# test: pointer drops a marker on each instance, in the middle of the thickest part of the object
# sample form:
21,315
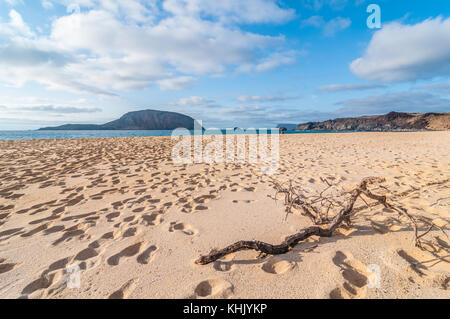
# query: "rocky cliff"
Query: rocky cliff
393,121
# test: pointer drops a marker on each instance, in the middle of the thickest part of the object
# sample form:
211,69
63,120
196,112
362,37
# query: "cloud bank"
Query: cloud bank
349,87
103,47
401,52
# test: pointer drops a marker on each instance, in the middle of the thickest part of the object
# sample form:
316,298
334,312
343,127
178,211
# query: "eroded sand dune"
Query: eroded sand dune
135,222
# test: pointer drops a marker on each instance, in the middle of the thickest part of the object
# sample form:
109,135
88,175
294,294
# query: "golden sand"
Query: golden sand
135,222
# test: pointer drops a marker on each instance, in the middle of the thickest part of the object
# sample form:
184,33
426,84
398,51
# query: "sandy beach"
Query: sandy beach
135,222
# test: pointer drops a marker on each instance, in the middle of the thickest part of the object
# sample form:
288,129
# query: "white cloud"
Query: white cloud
245,111
319,4
349,87
329,28
111,46
189,101
14,2
55,109
337,4
443,88
15,26
335,25
176,84
249,11
399,102
272,61
401,52
262,99
194,101
313,21
47,4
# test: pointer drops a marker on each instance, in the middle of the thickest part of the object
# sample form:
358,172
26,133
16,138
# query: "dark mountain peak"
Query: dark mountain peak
138,120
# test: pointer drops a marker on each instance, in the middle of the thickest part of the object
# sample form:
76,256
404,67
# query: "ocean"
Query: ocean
47,135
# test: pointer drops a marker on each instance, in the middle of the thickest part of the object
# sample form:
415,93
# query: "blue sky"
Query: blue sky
254,63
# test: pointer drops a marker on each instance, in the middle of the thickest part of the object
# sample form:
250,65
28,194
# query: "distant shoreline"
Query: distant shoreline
88,134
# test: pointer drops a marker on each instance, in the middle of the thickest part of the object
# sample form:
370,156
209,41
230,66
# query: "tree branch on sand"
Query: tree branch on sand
324,224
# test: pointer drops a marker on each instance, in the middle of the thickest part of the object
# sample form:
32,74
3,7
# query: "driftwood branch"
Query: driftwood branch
295,199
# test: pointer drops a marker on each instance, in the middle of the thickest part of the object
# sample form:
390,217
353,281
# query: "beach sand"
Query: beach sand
134,222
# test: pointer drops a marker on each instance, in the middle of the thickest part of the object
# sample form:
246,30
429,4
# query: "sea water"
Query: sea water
34,135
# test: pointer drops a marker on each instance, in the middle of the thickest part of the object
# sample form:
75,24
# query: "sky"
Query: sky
253,63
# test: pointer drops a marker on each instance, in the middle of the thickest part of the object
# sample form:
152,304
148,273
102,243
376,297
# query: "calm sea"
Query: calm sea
34,135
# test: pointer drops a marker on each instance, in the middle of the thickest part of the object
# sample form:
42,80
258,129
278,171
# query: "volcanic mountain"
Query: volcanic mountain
139,120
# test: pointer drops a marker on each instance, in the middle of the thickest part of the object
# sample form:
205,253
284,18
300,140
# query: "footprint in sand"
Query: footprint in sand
355,274
111,217
117,205
140,191
59,210
86,254
78,217
214,288
111,235
46,219
187,208
245,201
90,257
147,255
130,232
128,219
59,264
3,218
152,220
43,283
75,201
124,291
225,264
6,267
201,207
130,251
4,207
4,235
37,230
277,266
184,228
78,230
204,199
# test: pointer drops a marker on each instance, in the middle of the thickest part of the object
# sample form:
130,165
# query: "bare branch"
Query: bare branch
293,198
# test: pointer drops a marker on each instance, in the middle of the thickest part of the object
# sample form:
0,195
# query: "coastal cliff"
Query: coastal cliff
393,121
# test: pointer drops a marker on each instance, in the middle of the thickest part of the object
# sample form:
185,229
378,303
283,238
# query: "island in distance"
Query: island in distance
139,120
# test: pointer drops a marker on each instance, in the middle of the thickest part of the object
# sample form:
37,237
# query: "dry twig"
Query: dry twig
295,199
